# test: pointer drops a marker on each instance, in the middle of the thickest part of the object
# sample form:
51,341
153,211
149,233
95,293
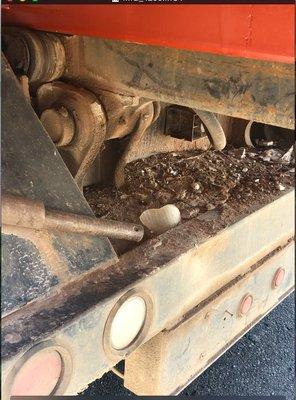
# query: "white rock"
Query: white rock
159,220
195,186
281,187
286,158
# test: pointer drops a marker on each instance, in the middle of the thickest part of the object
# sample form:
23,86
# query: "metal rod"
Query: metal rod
92,226
32,214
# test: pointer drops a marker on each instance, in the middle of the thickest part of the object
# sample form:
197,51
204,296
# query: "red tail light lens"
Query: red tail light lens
39,375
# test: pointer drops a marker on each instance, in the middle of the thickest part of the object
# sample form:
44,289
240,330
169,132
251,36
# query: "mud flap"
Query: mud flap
34,263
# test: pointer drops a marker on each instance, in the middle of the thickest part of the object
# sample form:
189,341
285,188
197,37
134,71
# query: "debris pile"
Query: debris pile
202,184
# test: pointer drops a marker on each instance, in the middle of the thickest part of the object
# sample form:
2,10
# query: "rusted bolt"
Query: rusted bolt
59,125
245,304
278,277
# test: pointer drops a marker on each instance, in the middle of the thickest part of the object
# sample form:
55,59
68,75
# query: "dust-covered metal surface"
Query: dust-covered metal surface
68,284
172,359
40,57
255,90
32,262
261,91
89,121
177,270
81,121
19,283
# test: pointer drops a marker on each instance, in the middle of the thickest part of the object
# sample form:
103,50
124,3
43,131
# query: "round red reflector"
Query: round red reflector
246,304
39,375
278,277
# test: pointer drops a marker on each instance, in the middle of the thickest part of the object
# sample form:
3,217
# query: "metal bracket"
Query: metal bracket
32,168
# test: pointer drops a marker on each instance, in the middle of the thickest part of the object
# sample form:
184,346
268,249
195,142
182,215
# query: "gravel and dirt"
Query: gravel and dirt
202,184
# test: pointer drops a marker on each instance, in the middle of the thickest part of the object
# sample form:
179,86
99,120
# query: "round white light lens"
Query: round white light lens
127,322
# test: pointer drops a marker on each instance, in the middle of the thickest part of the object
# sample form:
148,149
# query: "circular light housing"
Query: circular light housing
45,369
127,322
39,375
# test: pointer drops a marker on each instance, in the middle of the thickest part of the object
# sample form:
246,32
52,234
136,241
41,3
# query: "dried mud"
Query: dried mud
207,185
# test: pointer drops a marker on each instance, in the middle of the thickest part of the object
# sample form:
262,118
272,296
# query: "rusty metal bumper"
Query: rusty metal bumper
185,275
175,357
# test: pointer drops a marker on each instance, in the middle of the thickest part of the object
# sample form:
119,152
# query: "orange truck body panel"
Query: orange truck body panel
264,32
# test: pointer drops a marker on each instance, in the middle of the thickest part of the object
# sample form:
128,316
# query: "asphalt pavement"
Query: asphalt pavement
261,363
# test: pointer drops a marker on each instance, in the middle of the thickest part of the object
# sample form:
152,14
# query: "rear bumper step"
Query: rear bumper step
174,274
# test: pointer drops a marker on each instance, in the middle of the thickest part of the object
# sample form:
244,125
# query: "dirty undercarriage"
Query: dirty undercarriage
234,239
